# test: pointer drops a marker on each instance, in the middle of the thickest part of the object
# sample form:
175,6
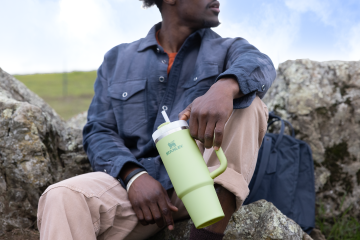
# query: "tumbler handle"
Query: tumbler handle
223,164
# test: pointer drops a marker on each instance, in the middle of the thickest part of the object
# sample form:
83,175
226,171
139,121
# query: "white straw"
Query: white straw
165,116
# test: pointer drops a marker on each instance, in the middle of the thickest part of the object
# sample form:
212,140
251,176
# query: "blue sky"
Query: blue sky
66,35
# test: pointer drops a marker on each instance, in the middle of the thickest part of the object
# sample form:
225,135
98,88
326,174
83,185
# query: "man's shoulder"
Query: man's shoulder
121,49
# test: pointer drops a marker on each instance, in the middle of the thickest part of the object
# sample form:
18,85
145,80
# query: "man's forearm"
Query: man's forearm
230,85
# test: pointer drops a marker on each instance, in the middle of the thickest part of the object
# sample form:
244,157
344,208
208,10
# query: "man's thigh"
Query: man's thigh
102,199
243,135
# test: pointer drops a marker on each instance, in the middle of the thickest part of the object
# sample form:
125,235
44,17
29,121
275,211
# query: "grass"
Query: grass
343,227
67,99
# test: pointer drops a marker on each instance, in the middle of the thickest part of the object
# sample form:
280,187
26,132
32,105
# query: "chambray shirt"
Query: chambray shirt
132,88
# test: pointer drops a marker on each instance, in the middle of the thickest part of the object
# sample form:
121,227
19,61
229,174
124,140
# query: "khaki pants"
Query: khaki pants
95,206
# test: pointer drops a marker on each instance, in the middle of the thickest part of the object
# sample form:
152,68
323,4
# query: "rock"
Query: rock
322,101
316,234
78,121
260,220
21,234
37,149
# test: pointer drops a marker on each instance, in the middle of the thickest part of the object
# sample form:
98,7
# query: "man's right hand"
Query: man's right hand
151,202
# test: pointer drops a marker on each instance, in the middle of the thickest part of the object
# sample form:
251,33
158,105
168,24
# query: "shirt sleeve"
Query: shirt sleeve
253,70
104,147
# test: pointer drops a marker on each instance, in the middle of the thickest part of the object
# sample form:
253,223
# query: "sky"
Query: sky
43,36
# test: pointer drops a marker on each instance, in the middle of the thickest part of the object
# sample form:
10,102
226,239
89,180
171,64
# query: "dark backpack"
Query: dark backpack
284,175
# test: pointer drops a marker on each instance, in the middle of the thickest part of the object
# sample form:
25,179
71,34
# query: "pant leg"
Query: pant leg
88,206
243,135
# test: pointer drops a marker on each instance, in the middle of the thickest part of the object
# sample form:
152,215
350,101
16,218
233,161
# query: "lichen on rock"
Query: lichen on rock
37,149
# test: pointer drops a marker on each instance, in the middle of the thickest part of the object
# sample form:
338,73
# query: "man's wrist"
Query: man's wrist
230,86
127,169
132,174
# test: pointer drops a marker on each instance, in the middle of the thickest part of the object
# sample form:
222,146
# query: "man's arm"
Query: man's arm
108,153
105,149
249,73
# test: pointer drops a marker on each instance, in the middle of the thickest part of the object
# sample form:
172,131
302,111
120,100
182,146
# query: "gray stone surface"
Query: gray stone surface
37,149
322,101
260,220
78,121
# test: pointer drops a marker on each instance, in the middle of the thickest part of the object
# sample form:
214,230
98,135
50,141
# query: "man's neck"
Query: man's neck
172,36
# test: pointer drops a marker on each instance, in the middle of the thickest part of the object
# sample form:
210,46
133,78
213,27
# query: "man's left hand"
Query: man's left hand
209,113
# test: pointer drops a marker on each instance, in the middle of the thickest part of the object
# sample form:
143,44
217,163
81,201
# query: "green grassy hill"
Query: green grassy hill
67,99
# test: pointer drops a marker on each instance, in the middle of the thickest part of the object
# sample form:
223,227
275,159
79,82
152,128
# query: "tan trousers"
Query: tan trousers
95,206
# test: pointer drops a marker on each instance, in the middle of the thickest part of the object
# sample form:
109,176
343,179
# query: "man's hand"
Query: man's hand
209,113
151,202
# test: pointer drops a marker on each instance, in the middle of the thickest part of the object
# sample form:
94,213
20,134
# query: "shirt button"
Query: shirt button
165,108
263,87
157,49
164,61
161,79
124,94
104,170
195,79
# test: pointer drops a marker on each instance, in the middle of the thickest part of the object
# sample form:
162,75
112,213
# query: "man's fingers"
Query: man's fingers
193,126
157,216
140,216
201,127
166,213
185,115
209,134
219,133
147,214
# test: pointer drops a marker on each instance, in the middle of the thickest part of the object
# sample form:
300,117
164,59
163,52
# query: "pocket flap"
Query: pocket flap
124,90
206,70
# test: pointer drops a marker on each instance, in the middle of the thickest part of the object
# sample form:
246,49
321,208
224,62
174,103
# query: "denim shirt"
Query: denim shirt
132,88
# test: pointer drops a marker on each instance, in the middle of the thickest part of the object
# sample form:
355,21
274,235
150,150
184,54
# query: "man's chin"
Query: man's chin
211,24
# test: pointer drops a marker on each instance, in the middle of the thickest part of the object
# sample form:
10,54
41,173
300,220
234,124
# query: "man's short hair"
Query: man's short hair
149,3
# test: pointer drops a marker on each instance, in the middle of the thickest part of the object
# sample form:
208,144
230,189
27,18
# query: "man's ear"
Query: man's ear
170,2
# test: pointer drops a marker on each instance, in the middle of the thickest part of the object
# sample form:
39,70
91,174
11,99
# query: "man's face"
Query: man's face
199,13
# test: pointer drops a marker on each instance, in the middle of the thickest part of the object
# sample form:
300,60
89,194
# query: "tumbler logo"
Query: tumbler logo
173,147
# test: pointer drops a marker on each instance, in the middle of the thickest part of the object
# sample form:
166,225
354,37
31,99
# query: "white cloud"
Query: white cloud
273,33
323,8
354,42
58,35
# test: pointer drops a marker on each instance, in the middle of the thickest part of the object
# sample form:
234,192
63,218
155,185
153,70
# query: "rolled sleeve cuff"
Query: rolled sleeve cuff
246,83
233,182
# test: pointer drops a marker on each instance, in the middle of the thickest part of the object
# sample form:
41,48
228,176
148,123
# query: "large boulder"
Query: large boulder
260,220
322,101
37,149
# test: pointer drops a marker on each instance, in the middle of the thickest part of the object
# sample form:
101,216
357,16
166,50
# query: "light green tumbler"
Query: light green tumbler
192,181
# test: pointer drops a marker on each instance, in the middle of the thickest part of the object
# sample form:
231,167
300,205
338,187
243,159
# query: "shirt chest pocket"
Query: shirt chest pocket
204,76
128,100
200,82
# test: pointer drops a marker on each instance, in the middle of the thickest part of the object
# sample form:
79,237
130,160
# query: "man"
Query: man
193,74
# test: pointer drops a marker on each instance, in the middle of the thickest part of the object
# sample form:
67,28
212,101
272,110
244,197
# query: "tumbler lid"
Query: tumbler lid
165,129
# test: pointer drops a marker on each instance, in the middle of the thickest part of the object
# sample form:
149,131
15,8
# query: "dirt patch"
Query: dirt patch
21,234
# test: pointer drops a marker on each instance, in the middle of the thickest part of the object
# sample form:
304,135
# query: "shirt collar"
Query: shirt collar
150,39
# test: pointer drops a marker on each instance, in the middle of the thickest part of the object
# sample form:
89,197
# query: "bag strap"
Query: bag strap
263,164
